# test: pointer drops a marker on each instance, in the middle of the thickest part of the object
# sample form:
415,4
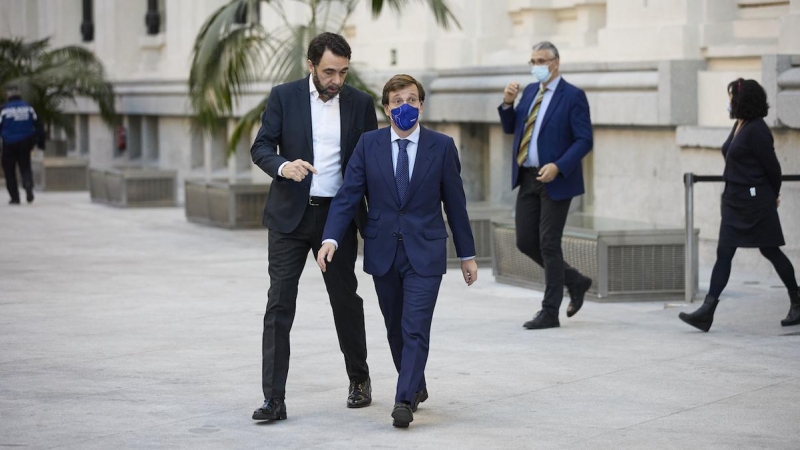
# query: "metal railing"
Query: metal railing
689,179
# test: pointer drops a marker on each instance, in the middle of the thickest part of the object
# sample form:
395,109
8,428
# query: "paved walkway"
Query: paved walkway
128,328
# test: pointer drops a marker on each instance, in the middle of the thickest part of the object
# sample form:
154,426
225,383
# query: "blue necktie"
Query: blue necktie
401,172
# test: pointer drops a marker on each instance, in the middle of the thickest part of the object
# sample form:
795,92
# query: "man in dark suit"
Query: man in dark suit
407,172
552,134
307,135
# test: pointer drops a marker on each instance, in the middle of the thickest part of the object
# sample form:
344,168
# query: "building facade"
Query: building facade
655,73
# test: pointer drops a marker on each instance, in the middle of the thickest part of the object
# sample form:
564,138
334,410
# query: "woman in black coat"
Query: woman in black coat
749,202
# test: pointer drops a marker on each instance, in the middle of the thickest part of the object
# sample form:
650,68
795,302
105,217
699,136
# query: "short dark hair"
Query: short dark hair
327,41
398,82
748,99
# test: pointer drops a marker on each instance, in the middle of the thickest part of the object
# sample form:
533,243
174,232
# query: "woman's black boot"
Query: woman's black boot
702,318
793,318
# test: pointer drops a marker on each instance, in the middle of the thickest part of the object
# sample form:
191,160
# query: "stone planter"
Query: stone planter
227,205
626,260
60,174
133,187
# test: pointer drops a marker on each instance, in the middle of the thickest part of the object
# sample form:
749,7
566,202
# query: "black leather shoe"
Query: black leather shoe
402,415
29,195
793,318
576,295
419,397
360,394
13,202
542,320
272,409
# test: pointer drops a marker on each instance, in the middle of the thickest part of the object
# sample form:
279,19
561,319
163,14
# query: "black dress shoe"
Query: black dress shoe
360,394
272,409
576,295
29,195
402,415
419,397
542,320
13,202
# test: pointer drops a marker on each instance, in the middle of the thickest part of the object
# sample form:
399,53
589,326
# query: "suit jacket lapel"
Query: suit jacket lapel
554,102
384,158
345,113
422,163
304,103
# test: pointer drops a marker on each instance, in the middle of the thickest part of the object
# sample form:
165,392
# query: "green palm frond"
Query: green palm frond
49,78
231,54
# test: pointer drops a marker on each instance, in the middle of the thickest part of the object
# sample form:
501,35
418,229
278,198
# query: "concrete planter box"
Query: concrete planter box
227,205
133,187
60,174
481,216
626,260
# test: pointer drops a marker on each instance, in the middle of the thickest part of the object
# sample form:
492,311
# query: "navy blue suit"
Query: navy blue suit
565,137
405,245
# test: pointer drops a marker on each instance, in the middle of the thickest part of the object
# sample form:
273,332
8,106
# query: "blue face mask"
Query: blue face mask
729,107
405,116
542,73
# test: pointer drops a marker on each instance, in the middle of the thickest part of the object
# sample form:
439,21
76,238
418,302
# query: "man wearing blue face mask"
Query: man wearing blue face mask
552,133
407,173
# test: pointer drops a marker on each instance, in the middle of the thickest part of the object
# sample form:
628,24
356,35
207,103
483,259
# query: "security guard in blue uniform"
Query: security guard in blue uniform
20,130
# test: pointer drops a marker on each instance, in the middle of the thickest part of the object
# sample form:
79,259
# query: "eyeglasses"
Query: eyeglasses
398,102
540,62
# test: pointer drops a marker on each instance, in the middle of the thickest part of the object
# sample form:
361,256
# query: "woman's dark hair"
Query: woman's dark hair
748,99
330,41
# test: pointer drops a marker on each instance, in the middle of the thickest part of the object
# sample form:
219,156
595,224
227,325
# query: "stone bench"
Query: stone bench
60,174
627,260
223,204
133,186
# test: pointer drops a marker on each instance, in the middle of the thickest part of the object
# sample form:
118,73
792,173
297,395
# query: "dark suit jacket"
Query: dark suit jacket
750,158
565,136
435,180
285,135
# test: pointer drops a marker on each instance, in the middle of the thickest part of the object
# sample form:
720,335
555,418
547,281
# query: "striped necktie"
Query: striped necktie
522,155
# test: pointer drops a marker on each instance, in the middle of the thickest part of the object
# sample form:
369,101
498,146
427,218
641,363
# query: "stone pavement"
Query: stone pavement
132,328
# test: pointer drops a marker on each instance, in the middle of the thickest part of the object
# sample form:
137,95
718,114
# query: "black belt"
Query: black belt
319,201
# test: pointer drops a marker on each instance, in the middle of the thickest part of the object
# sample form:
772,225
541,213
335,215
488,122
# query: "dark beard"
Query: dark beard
322,91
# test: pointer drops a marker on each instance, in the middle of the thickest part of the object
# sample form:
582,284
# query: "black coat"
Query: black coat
285,135
752,184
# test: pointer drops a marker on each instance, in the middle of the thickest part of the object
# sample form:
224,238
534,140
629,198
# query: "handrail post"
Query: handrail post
689,269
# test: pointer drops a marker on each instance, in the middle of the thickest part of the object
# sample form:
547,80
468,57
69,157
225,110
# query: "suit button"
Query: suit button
394,234
401,213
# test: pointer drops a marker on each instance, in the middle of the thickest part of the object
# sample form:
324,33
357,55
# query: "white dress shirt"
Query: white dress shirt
533,148
411,149
326,135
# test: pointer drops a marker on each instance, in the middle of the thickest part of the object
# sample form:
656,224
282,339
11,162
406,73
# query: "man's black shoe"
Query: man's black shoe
272,409
419,397
542,320
29,195
576,295
13,202
360,394
402,415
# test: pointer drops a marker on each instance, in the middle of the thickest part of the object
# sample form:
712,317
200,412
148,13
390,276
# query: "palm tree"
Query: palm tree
48,78
233,50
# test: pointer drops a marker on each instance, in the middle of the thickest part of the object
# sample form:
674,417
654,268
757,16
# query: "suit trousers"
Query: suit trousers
288,255
18,154
540,225
407,300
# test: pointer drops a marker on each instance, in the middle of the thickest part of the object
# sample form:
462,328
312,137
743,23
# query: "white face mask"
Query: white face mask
728,107
542,73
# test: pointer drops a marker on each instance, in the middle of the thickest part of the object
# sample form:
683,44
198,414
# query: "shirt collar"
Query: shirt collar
413,137
313,90
551,86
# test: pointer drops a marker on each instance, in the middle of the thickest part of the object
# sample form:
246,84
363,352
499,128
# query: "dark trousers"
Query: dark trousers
722,268
540,225
407,300
18,154
288,254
